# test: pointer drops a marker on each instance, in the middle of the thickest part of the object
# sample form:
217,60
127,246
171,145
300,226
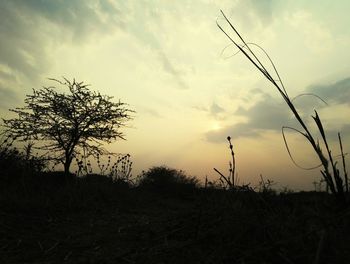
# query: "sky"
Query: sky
170,62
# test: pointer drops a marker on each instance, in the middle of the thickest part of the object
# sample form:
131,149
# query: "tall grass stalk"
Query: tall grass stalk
229,181
329,166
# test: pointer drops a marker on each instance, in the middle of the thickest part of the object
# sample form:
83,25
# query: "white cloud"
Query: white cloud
316,35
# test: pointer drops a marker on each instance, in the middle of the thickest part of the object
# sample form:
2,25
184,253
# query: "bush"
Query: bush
11,161
167,180
15,164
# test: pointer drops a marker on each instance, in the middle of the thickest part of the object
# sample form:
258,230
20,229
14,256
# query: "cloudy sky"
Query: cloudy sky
169,61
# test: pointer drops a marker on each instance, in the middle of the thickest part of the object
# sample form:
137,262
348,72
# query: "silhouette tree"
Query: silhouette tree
68,124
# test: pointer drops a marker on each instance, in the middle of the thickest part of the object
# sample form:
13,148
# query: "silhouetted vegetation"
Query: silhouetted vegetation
166,218
161,216
167,181
68,124
15,164
230,181
337,183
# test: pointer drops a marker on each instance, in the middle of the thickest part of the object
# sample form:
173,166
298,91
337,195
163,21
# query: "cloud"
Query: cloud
345,131
151,34
7,97
263,9
253,12
335,116
169,67
216,109
236,131
338,92
7,80
82,18
20,50
31,25
30,29
268,114
317,36
151,112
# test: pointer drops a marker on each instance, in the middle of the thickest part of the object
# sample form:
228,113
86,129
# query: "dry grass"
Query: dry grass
337,183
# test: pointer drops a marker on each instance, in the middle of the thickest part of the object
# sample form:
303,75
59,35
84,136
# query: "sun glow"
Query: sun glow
215,126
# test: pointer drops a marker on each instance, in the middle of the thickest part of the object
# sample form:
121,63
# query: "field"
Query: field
92,220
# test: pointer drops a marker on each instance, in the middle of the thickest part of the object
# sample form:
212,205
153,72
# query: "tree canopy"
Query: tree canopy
67,124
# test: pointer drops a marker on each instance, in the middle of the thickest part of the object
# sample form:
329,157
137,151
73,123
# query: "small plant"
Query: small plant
121,169
229,181
265,186
337,185
118,171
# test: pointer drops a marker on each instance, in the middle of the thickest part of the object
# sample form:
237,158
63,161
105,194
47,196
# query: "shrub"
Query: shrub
11,160
15,164
163,179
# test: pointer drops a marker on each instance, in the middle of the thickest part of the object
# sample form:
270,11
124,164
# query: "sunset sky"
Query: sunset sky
168,60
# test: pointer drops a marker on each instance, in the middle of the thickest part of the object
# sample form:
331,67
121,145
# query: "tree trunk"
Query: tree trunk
67,166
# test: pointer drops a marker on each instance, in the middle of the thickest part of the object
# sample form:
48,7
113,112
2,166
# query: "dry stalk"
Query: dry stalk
329,166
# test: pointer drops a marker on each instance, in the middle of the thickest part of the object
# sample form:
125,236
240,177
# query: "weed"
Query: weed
265,186
229,181
119,171
329,170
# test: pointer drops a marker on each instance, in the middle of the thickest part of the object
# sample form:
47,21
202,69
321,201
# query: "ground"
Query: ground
99,222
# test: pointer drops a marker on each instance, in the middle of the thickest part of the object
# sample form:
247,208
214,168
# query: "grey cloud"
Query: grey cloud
271,114
200,108
345,131
152,112
216,109
321,96
264,8
25,35
148,34
6,76
8,97
169,68
29,27
19,47
252,11
81,17
338,92
306,103
267,114
332,135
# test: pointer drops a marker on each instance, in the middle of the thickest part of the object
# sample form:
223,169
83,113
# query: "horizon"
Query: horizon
172,65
